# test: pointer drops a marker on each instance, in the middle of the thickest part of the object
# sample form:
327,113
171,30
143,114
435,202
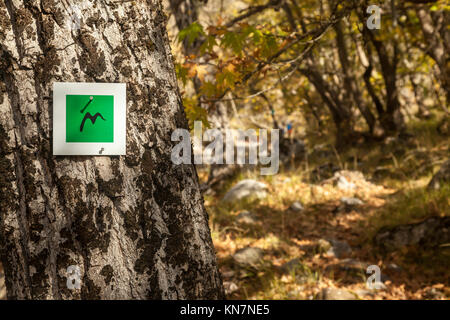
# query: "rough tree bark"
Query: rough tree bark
135,225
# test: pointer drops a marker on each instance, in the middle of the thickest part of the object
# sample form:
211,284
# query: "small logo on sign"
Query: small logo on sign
74,277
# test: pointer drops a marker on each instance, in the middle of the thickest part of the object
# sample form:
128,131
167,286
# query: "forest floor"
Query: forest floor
296,261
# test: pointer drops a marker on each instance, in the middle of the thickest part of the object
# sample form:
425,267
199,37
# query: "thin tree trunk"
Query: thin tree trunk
392,119
388,56
349,78
135,225
340,112
437,46
341,115
185,13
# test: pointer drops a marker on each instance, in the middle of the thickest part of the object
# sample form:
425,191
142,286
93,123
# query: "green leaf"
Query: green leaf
181,73
208,89
194,112
192,32
208,44
269,46
233,41
257,36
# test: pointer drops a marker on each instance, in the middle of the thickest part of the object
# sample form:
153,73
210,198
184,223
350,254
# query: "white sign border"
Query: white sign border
61,147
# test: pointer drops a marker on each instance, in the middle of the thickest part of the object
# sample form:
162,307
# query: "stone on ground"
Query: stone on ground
248,256
296,207
230,287
431,232
246,217
246,189
434,294
349,265
441,178
339,249
365,292
351,201
323,246
348,180
336,294
291,266
344,184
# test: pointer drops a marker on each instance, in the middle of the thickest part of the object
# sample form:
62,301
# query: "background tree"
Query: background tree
323,53
135,225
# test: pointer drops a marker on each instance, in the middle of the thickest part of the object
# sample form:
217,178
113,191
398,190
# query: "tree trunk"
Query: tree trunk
349,77
392,119
340,113
185,13
437,46
388,53
134,225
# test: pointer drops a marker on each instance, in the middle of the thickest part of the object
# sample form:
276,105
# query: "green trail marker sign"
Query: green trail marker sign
89,118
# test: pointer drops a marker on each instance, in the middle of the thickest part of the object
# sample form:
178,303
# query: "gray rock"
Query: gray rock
230,287
296,207
336,294
364,292
351,202
245,189
394,267
339,249
380,285
248,256
349,265
434,294
441,178
323,246
431,232
344,184
297,293
227,274
304,279
218,174
291,266
351,176
391,140
246,217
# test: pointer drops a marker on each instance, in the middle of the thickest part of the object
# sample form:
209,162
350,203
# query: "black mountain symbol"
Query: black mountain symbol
92,118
